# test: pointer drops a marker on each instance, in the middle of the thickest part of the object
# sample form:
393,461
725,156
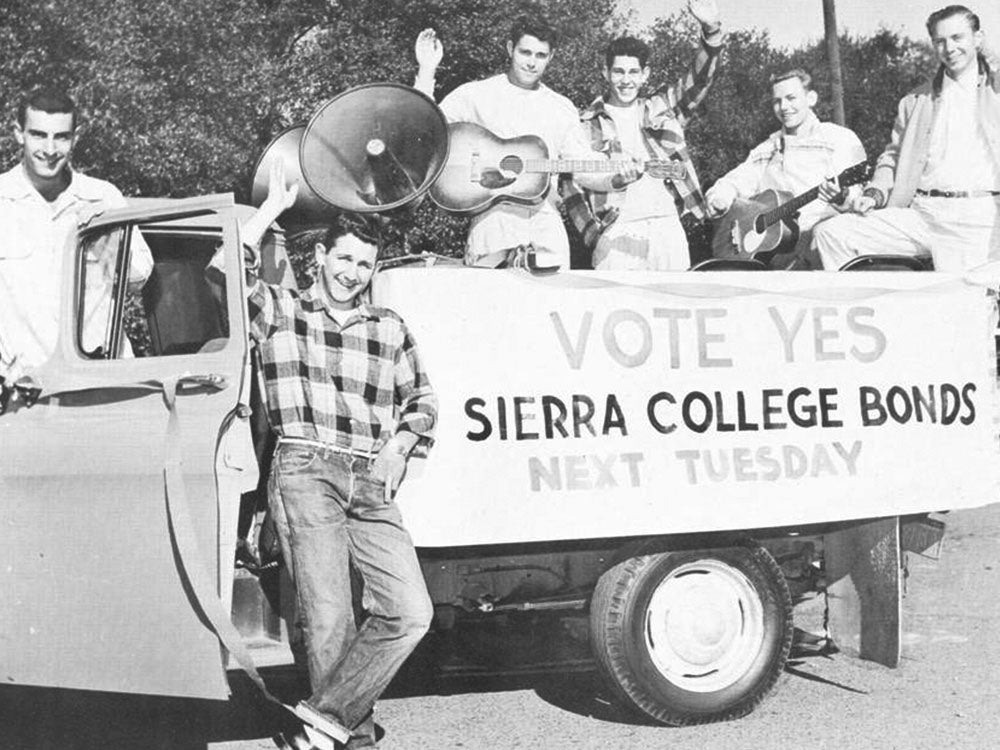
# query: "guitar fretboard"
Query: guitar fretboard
785,210
559,166
573,165
850,176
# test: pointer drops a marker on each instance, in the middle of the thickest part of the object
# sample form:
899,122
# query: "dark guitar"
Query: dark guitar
765,224
483,169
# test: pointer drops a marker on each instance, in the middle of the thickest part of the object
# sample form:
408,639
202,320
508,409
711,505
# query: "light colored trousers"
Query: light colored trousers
958,233
655,244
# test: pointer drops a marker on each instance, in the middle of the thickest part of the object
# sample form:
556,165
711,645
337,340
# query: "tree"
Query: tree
179,97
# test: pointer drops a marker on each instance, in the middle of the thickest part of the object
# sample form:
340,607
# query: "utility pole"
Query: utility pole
833,57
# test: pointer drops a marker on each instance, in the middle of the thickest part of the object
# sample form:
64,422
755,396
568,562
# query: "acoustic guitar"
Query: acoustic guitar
764,225
483,169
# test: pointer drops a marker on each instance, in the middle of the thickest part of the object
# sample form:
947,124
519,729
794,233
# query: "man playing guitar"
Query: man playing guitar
639,228
800,156
511,104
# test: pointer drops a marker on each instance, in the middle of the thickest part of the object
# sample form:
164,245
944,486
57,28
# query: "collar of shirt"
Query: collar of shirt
966,82
515,90
656,112
15,185
806,129
984,75
315,299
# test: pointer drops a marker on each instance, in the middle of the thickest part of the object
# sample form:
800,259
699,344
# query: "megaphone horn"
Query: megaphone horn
374,148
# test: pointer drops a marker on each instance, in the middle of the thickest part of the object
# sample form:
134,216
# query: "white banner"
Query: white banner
586,404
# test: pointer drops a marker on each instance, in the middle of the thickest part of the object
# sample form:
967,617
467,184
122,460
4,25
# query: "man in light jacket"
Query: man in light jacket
936,187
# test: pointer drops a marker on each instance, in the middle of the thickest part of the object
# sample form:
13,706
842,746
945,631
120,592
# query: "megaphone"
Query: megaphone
374,148
309,209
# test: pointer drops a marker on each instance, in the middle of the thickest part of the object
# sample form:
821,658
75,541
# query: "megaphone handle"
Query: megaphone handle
390,181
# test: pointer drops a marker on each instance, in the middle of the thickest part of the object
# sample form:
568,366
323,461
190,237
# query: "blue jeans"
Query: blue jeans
331,515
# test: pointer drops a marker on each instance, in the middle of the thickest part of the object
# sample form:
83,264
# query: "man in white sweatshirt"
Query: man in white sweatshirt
512,104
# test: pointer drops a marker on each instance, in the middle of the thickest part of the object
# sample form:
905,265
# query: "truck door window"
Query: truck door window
147,291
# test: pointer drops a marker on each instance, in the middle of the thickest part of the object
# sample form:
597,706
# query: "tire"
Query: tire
692,637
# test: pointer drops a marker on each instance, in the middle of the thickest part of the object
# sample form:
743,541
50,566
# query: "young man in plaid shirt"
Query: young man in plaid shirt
638,227
350,401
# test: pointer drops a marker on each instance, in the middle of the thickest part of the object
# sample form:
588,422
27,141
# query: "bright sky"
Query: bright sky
793,22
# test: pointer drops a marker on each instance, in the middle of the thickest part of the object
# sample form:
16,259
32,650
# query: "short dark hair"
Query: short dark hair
627,46
46,99
787,75
947,12
532,25
358,225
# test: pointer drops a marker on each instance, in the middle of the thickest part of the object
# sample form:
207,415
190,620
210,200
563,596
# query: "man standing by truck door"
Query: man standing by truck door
350,402
43,202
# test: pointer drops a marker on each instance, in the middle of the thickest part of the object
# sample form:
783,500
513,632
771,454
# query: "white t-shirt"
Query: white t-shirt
510,111
647,197
959,156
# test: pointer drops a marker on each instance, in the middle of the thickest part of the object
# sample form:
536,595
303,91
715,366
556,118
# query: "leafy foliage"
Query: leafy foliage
179,97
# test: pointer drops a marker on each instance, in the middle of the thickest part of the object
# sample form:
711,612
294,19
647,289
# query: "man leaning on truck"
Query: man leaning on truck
349,400
43,202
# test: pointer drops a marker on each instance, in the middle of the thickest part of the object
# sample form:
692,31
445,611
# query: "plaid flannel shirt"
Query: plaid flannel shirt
664,116
352,386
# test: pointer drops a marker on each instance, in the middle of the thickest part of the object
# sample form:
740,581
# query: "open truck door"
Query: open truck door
119,487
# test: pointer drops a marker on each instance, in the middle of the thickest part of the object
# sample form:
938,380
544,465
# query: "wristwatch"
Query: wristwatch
876,194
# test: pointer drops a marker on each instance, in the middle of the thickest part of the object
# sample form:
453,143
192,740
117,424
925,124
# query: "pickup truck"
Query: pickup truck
678,456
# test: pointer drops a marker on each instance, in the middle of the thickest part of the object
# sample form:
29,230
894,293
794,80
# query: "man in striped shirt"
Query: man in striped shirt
638,226
350,401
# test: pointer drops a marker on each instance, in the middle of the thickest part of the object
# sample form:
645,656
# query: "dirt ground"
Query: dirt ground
541,692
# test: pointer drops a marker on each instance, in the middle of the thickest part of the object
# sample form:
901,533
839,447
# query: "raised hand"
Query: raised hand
279,194
279,197
428,49
706,11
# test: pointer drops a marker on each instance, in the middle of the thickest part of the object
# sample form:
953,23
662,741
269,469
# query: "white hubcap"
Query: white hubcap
704,626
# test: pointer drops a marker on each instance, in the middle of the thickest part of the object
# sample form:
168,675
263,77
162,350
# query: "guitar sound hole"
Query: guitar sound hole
758,224
511,164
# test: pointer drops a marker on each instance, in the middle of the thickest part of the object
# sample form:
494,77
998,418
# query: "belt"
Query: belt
958,193
356,453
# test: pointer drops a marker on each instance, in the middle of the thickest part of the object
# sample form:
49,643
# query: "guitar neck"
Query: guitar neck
559,166
785,210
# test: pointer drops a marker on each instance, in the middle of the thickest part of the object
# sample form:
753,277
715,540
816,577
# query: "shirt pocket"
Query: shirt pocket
15,243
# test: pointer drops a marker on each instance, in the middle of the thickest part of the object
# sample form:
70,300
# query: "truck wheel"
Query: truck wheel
692,637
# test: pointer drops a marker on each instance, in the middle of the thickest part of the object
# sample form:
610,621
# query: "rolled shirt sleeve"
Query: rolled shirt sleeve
413,393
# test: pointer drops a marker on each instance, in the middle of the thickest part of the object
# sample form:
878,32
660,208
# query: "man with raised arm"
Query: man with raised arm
795,159
350,402
638,226
936,187
511,104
